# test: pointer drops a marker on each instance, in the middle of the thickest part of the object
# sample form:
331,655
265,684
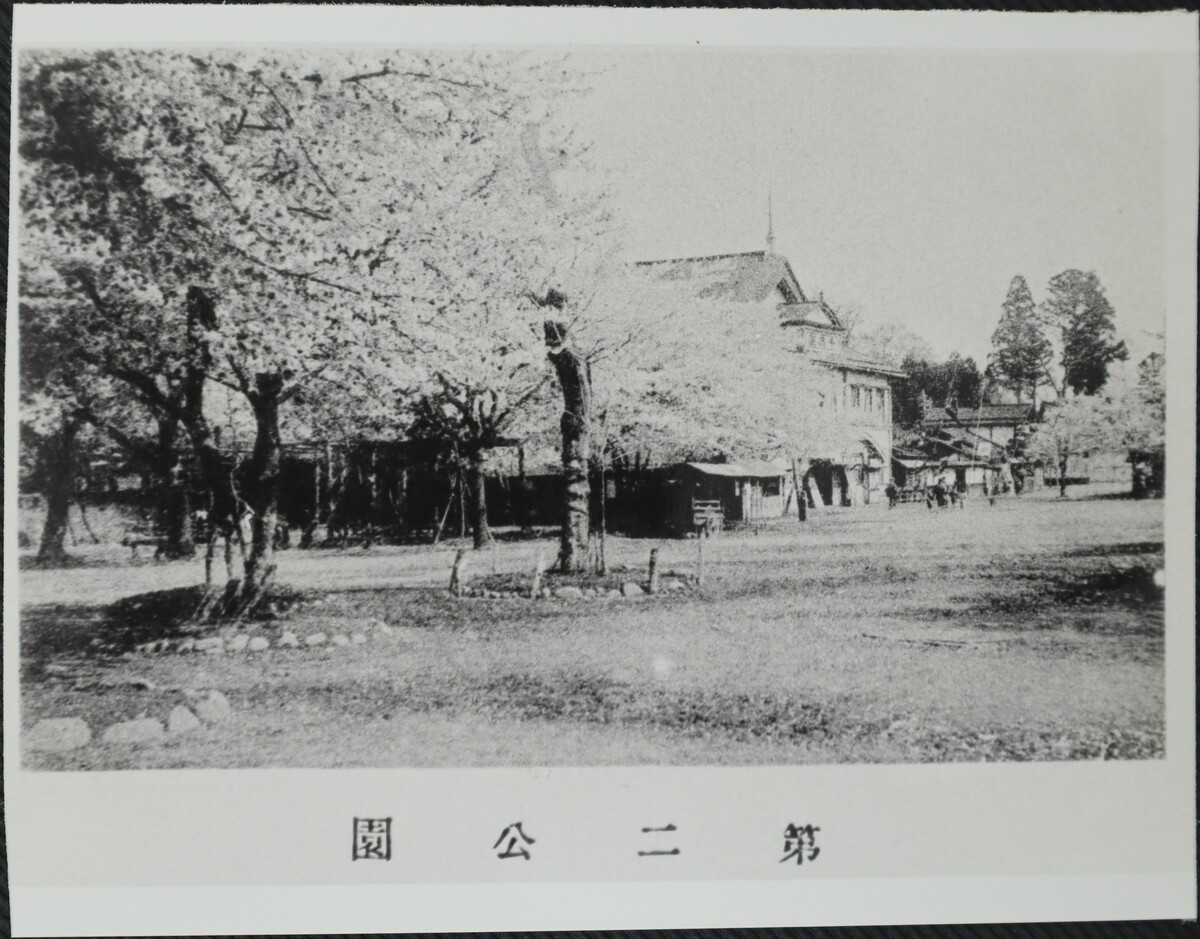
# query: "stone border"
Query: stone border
245,642
60,734
629,590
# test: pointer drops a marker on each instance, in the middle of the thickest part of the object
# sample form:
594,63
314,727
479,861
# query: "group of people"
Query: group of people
945,494
941,493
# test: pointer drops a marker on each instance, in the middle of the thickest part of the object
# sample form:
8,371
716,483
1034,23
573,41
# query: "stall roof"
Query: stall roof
761,470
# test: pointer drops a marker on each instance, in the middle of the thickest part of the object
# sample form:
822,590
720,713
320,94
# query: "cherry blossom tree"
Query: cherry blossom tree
344,218
1074,426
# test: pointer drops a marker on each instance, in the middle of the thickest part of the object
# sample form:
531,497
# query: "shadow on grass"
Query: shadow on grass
1070,599
53,630
1116,550
576,697
837,727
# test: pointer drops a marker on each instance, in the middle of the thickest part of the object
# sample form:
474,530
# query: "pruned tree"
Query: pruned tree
574,379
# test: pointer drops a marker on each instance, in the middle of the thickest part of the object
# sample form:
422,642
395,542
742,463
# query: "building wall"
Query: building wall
863,400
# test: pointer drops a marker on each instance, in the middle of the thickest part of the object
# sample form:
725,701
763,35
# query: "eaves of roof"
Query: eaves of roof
860,365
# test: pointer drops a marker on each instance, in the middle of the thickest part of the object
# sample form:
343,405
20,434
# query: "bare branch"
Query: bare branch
328,188
363,77
243,381
207,172
300,210
271,91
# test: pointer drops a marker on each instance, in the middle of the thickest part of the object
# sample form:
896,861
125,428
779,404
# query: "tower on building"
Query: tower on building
770,227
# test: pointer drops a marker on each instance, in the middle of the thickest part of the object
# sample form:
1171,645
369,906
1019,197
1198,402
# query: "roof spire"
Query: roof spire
770,226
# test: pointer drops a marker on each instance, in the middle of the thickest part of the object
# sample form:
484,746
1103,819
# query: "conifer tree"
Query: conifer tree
1022,351
1078,307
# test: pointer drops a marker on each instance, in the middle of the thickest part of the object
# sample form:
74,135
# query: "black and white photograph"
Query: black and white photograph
564,408
396,407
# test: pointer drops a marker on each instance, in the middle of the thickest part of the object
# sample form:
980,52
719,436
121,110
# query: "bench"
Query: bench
144,538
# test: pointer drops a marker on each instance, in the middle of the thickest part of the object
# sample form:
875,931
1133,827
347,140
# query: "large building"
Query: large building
855,466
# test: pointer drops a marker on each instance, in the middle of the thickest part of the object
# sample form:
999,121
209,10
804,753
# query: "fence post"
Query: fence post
536,590
654,570
458,573
700,561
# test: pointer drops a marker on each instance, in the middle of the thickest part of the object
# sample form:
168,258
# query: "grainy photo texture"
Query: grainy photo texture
406,408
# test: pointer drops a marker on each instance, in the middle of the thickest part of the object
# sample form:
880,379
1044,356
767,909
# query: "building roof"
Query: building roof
939,464
759,277
746,277
855,364
986,415
756,470
810,313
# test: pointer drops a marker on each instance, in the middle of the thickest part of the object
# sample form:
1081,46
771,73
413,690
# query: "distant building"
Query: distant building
984,432
974,447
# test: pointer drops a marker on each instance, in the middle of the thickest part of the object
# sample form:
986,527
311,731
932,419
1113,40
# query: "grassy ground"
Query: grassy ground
1028,630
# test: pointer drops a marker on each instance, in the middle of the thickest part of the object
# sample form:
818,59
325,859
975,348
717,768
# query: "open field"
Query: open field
1028,630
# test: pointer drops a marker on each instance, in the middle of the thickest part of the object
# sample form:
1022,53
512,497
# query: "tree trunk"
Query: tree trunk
603,520
522,500
576,419
1062,476
461,486
263,485
798,488
214,473
210,553
175,504
477,507
373,493
59,469
310,528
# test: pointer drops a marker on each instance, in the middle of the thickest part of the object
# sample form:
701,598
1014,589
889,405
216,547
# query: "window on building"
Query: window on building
870,399
771,487
882,403
855,396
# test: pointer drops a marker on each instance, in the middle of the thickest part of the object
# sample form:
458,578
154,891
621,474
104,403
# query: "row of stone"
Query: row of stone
57,734
216,645
629,590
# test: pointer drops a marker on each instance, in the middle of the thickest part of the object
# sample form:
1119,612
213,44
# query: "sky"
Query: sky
912,186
